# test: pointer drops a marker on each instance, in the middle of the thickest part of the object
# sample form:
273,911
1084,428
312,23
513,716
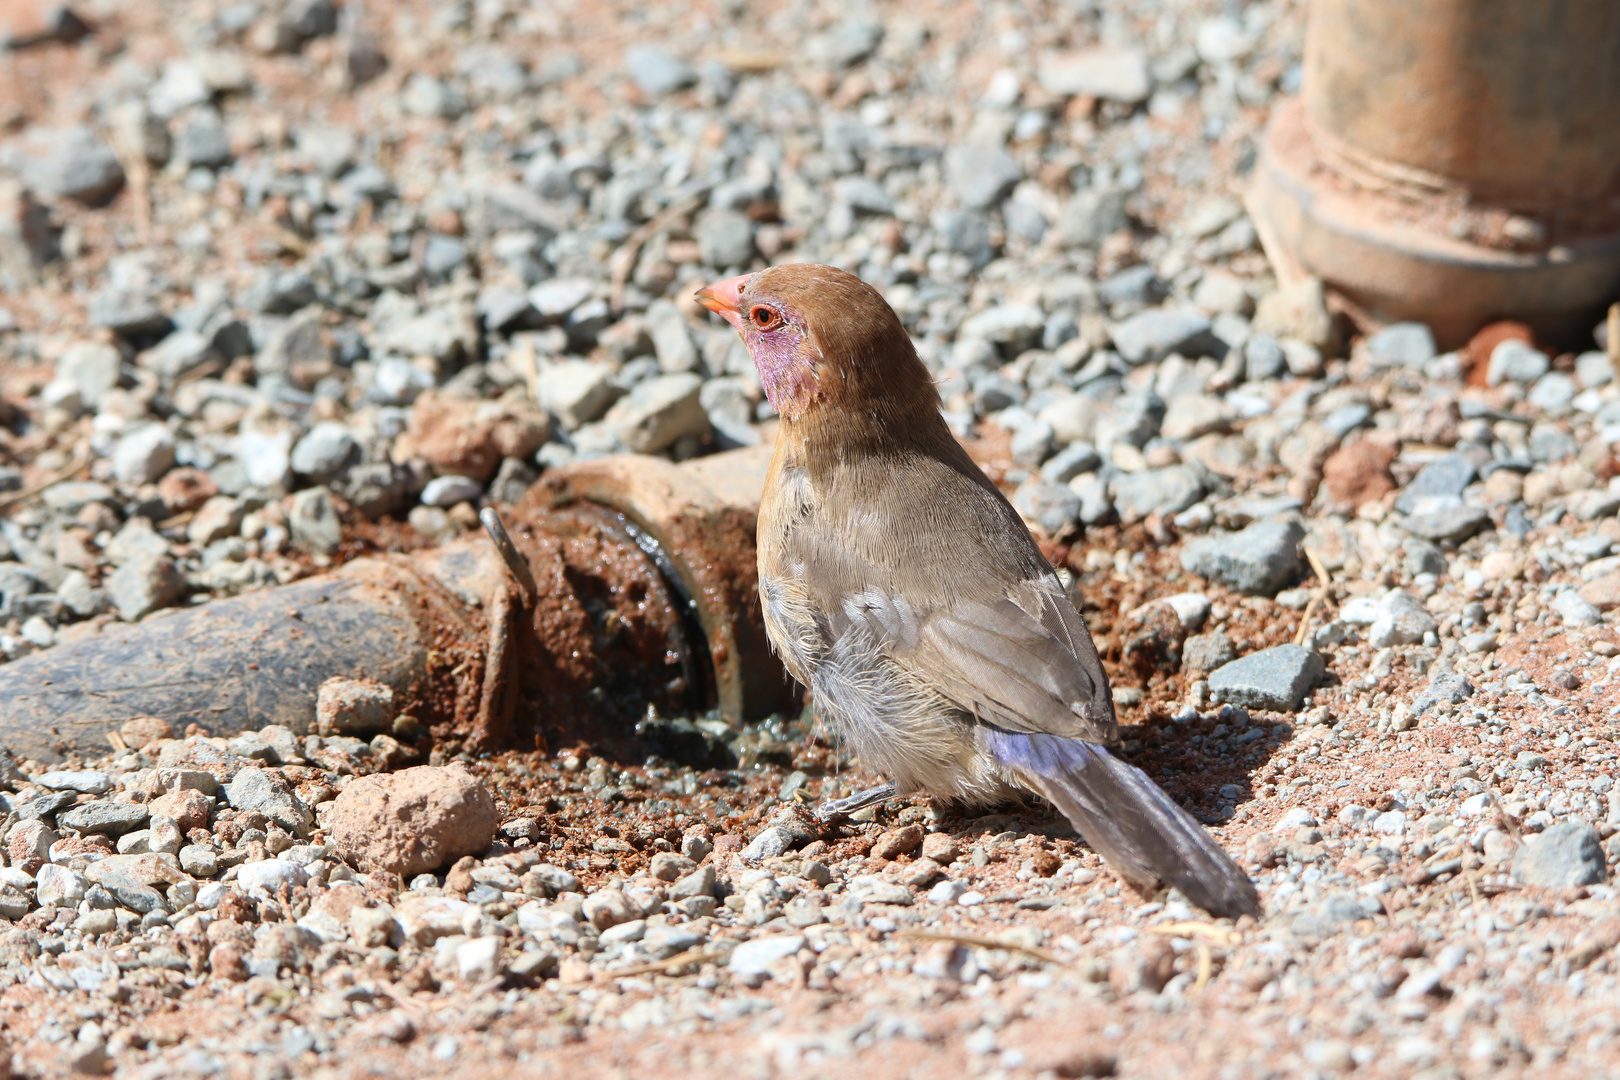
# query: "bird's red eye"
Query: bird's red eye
765,318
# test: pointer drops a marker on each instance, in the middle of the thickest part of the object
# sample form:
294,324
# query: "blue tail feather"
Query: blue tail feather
1127,818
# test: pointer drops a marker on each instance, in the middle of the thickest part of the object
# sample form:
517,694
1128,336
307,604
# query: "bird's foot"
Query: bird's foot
858,801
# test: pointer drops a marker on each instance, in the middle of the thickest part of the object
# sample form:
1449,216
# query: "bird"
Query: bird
903,590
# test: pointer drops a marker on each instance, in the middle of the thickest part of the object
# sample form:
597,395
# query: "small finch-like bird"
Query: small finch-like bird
904,590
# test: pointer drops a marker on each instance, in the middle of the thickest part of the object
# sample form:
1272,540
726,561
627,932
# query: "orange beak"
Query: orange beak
721,298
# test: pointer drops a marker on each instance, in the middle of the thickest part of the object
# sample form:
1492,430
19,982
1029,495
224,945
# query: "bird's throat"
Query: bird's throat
786,374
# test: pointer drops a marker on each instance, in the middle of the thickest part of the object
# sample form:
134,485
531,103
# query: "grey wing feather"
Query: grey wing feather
1020,669
1002,641
999,662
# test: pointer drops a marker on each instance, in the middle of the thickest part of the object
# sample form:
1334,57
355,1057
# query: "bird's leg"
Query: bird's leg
858,801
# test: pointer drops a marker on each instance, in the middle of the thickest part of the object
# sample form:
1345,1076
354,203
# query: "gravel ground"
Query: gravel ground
1358,596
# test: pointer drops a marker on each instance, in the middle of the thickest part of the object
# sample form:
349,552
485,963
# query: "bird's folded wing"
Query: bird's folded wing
1023,661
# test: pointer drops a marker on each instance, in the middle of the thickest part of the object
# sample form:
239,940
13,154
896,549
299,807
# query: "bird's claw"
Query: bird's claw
837,808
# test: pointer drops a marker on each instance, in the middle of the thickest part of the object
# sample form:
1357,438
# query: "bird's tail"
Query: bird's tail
1128,819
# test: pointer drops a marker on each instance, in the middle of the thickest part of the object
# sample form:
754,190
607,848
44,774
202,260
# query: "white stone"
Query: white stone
753,959
270,875
1390,823
479,959
1296,818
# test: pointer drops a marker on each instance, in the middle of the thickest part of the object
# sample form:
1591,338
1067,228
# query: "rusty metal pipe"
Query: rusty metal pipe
645,593
1453,161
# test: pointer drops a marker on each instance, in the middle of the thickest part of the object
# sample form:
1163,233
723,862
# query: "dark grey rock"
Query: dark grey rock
1515,361
1346,418
1132,288
660,410
656,72
104,817
253,789
1263,358
129,313
1401,620
1549,442
1091,216
307,19
725,238
16,582
1016,326
864,195
327,450
1339,911
43,806
425,95
967,232
1565,856
1134,419
1259,560
143,585
375,490
1207,651
203,142
1277,678
301,339
1152,335
980,176
730,410
1070,462
178,354
1446,477
442,255
1447,523
1446,687
1032,443
503,309
1051,507
329,147
1408,344
1157,491
69,163
313,521
849,42
280,292
512,480
135,895
1419,556
93,368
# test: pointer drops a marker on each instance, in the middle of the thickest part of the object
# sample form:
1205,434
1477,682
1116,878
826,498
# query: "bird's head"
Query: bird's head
822,338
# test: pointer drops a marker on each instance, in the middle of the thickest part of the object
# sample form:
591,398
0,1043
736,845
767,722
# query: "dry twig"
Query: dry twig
978,941
1216,935
671,963
1318,598
624,260
1612,338
72,469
